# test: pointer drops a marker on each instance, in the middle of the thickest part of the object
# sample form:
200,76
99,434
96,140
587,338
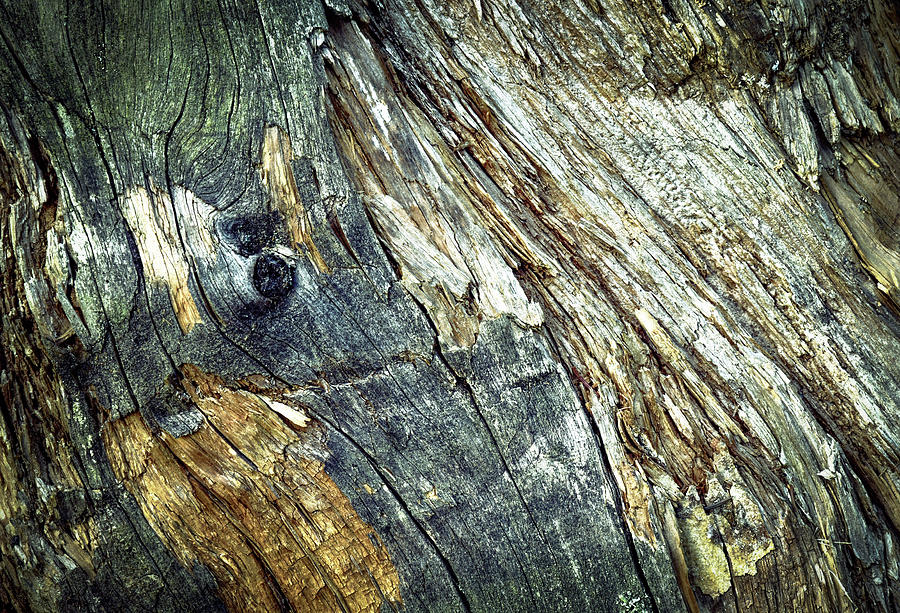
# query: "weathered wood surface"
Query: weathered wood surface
475,306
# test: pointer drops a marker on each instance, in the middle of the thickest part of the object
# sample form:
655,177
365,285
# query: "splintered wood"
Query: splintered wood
40,471
247,496
709,314
278,177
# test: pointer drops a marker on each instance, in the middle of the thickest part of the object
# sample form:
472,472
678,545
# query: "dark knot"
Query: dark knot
273,277
250,234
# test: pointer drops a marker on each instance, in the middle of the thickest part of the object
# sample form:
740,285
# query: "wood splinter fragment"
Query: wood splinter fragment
149,216
278,177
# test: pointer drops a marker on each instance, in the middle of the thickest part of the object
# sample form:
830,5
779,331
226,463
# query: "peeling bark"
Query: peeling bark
450,306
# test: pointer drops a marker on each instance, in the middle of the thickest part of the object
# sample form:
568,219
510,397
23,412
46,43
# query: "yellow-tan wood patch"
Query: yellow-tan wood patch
243,497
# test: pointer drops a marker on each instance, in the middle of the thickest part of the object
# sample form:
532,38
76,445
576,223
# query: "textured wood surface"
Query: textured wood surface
450,306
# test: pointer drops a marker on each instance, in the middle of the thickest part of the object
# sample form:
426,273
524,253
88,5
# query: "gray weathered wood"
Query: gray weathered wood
450,306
